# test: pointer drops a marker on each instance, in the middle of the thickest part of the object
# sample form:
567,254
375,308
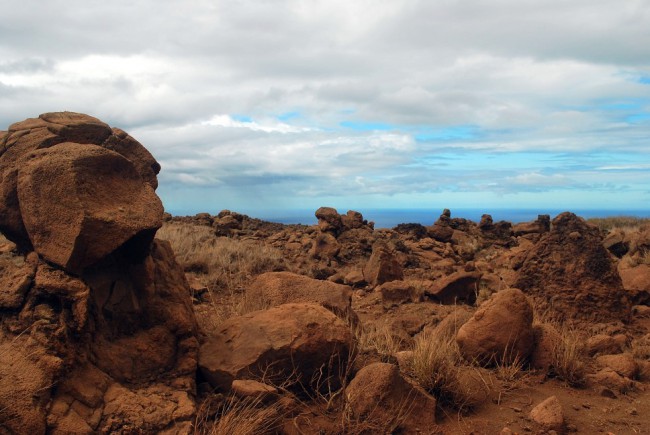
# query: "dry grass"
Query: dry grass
569,356
434,367
247,416
226,264
623,222
378,337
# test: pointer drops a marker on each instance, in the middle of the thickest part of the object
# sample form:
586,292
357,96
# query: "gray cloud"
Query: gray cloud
437,79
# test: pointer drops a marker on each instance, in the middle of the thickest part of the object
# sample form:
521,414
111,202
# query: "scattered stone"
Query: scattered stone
623,364
549,414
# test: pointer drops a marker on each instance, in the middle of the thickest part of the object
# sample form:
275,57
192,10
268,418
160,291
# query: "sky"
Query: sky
260,106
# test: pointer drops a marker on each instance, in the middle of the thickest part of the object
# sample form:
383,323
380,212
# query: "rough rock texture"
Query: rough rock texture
297,339
48,131
539,226
549,414
399,292
570,272
277,288
459,287
80,202
381,397
89,352
329,220
623,364
382,266
500,330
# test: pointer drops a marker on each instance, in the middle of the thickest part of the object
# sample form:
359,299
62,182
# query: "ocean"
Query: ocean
389,218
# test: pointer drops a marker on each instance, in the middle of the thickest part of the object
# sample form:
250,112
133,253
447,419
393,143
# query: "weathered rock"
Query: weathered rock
616,243
449,326
623,364
539,226
276,288
608,378
549,414
603,344
381,397
500,330
636,279
227,222
382,266
81,202
570,272
303,340
48,131
459,287
16,277
353,220
325,247
87,352
329,220
399,292
441,233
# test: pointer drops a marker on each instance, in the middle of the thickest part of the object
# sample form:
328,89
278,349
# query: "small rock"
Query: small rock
606,392
549,414
248,388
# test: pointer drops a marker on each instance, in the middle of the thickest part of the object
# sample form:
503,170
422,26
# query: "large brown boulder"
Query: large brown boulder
501,330
304,341
570,272
97,324
382,398
276,288
81,202
26,151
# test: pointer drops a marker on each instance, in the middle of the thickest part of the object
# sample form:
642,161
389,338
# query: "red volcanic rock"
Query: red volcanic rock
48,131
382,266
288,340
97,323
539,226
329,220
379,395
459,287
276,288
81,202
500,330
569,271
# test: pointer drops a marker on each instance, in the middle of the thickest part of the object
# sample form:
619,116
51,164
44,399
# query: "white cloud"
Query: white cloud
203,85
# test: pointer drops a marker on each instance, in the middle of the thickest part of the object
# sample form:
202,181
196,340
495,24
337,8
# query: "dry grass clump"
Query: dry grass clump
378,337
434,366
569,356
246,416
623,222
225,264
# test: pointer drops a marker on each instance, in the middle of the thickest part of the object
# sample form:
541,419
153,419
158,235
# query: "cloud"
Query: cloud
360,100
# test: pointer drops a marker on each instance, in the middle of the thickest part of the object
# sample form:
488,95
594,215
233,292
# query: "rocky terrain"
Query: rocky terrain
116,317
